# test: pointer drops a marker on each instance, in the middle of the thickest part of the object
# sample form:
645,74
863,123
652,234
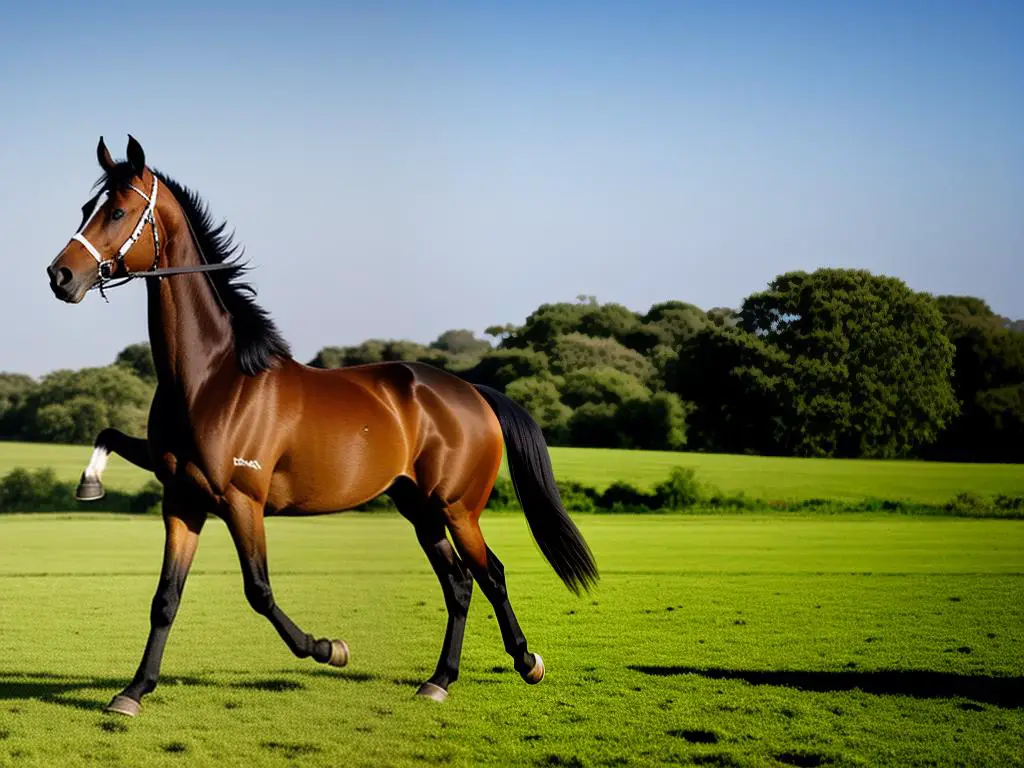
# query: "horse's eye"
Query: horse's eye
117,214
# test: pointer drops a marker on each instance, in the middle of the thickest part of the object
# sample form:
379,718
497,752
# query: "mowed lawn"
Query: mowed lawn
765,478
723,641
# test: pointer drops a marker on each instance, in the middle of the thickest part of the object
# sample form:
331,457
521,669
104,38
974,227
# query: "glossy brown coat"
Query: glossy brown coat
240,430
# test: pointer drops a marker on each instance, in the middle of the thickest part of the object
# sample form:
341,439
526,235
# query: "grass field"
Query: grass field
759,477
710,641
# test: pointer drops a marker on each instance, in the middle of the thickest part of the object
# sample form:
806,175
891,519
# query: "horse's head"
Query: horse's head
108,243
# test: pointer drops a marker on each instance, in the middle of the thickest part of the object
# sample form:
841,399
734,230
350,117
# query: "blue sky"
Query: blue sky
397,169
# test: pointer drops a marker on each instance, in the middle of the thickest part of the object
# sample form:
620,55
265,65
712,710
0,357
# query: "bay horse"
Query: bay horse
240,430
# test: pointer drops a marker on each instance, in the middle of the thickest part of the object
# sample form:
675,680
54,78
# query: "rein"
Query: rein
108,268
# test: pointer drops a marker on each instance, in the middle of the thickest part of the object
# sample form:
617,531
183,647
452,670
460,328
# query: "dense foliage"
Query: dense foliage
830,363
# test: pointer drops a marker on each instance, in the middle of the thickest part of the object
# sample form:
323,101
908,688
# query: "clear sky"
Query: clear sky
399,168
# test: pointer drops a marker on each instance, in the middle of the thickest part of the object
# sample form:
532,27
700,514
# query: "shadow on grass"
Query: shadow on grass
344,675
274,685
59,689
1005,692
54,689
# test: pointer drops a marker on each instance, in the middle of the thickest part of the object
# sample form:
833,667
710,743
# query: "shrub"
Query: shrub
680,491
967,505
623,497
577,497
23,490
380,503
503,495
148,500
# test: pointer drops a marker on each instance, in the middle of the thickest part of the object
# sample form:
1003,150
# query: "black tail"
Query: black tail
530,466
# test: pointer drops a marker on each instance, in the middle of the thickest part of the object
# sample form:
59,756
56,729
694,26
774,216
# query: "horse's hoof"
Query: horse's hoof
124,705
89,489
536,674
432,692
339,653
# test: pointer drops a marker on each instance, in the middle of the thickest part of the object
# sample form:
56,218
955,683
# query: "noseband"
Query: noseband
108,268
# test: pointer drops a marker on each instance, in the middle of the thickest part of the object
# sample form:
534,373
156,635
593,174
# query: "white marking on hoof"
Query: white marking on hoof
123,705
97,463
339,653
536,674
432,692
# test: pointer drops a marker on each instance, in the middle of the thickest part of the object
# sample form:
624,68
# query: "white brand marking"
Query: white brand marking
250,463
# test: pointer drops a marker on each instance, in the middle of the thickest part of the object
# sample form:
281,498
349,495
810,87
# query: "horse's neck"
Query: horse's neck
189,331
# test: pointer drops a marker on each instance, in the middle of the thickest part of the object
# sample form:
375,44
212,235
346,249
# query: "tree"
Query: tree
461,342
14,388
501,367
601,385
657,423
329,357
834,363
594,425
545,324
678,320
646,337
501,332
724,317
575,351
379,350
72,406
998,425
741,390
989,375
869,362
539,396
612,321
138,358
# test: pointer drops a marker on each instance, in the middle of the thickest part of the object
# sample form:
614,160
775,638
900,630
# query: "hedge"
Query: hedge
23,490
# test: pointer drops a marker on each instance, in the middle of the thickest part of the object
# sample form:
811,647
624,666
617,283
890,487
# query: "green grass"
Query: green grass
717,641
763,478
772,478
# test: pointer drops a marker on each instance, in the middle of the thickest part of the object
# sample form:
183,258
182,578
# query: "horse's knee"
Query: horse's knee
460,582
260,597
164,607
492,581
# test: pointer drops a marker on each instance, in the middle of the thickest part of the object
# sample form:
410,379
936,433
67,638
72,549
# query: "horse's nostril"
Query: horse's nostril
63,276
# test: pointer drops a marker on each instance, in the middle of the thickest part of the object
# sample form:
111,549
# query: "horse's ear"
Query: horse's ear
136,156
103,155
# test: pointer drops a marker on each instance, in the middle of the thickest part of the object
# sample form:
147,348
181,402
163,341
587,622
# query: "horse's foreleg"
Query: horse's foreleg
133,449
245,523
182,538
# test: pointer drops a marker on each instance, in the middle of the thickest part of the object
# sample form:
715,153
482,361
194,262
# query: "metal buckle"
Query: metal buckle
107,269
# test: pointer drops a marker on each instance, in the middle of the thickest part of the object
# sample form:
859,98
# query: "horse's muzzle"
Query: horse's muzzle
64,285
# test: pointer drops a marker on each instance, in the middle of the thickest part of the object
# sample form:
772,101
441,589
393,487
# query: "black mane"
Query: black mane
258,343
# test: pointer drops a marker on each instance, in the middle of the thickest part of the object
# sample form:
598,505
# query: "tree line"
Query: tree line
836,362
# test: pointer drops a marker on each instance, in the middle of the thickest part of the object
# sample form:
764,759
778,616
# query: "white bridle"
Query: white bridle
107,267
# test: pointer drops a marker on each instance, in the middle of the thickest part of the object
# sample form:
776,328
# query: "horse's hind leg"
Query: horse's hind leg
456,584
134,449
490,575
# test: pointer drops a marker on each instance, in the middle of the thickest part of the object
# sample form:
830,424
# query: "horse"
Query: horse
240,430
